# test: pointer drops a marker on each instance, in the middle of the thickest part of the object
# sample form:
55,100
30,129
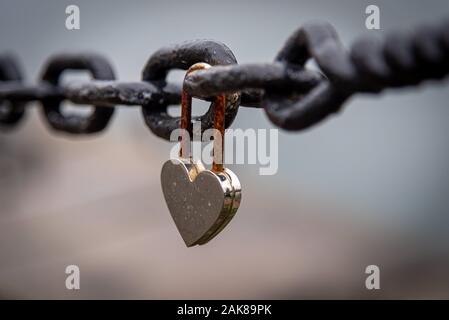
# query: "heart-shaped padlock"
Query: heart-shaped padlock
201,202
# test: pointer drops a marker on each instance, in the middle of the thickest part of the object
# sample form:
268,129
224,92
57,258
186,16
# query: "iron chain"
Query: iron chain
293,96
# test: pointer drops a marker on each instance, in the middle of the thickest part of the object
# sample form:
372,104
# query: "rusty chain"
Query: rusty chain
293,96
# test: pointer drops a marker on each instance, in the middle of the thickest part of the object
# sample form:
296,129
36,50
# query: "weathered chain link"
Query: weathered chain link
293,96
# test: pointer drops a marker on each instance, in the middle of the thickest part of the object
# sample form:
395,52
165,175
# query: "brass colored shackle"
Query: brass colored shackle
219,123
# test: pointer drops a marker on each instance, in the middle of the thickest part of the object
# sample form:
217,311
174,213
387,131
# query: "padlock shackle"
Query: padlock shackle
219,123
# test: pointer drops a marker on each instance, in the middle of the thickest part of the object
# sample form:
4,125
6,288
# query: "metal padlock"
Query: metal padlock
201,202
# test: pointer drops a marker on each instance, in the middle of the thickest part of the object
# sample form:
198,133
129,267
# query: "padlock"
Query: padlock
201,202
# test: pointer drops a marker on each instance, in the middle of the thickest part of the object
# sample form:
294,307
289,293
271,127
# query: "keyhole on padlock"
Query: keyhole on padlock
219,124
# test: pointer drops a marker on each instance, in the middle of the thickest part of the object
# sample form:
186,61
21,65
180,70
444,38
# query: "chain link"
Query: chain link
293,96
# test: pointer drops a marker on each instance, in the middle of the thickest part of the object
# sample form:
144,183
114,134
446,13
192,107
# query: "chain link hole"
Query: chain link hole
68,108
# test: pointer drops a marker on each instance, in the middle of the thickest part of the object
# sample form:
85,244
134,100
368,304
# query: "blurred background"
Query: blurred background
369,186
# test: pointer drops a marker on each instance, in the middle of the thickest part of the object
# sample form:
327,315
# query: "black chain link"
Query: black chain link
293,96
